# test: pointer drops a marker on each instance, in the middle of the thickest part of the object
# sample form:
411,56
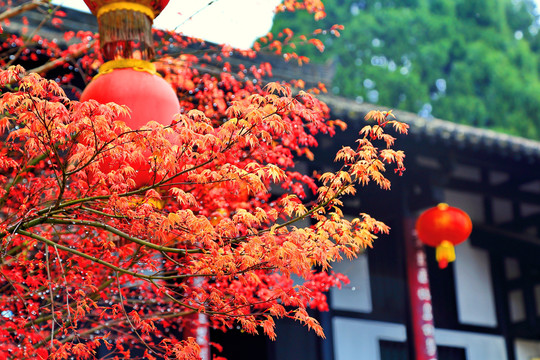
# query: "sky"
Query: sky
235,22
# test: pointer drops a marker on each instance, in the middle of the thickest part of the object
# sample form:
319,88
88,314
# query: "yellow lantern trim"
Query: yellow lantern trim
124,5
135,64
445,253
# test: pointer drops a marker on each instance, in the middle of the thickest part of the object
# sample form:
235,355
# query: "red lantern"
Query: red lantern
148,95
443,226
128,78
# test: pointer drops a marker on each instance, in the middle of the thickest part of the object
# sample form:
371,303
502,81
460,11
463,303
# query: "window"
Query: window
451,353
393,350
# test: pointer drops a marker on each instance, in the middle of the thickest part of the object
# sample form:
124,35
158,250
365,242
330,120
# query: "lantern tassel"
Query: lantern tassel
126,34
445,253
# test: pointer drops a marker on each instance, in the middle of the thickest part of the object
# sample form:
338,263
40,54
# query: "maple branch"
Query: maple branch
57,62
259,266
31,36
54,150
229,312
21,298
128,320
195,13
129,193
108,324
293,220
51,293
31,5
111,229
97,212
19,177
95,295
23,225
149,278
88,257
58,259
337,194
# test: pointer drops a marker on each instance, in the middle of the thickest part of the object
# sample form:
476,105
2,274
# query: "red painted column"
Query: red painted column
420,296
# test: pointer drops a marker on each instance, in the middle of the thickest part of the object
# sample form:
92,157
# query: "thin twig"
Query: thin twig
195,14
8,14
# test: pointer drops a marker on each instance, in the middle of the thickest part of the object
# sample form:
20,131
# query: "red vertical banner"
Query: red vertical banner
420,296
198,328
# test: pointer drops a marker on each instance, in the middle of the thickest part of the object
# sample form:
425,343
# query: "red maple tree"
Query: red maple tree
89,259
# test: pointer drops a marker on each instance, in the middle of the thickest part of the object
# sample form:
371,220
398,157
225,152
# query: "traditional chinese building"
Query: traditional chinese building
399,304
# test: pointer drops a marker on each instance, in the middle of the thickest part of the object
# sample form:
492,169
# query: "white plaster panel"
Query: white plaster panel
502,210
512,269
359,339
471,204
537,298
528,209
467,172
527,349
474,288
497,177
355,296
533,186
517,305
477,346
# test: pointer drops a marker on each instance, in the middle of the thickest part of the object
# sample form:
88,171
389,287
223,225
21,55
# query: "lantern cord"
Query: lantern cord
445,253
126,34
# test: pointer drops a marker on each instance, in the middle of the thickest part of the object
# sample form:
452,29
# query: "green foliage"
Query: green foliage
475,62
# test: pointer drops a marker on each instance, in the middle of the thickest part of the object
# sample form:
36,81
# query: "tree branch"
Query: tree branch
122,234
57,62
88,257
31,5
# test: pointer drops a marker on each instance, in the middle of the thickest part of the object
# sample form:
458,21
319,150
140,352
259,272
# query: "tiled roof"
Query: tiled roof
463,136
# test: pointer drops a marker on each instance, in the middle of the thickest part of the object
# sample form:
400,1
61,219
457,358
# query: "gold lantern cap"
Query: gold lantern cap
151,8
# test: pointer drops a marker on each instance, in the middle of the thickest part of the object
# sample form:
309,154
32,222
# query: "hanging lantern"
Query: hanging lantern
128,77
136,84
442,227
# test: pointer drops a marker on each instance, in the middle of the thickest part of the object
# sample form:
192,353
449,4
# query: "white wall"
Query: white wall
472,204
474,287
356,339
359,339
527,349
477,346
356,296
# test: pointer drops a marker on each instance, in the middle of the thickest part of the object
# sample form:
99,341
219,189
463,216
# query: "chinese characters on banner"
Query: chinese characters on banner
420,298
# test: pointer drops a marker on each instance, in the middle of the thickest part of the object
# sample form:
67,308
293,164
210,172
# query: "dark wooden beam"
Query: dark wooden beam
506,242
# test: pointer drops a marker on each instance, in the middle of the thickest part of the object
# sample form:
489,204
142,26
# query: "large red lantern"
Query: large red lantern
136,84
442,227
128,77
